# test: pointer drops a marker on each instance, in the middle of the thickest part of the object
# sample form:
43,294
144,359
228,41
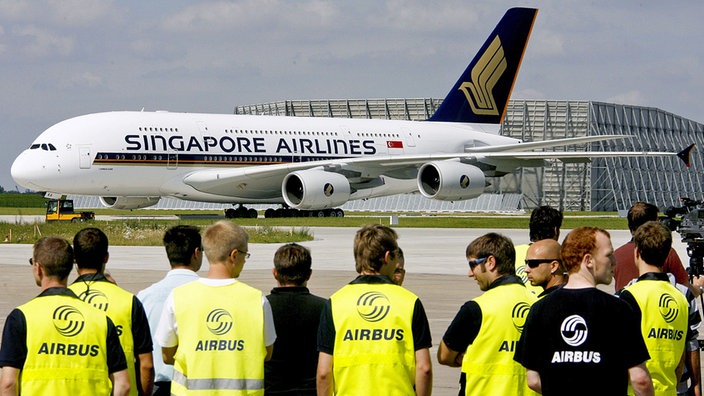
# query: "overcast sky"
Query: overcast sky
64,58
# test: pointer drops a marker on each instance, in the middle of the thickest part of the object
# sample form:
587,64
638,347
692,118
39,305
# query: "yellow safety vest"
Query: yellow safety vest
66,348
664,322
221,347
488,362
374,352
117,304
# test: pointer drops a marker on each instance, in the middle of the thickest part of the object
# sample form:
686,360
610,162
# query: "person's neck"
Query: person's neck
219,271
579,281
86,271
646,268
48,283
554,281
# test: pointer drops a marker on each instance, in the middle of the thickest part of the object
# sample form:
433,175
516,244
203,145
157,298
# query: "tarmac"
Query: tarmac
436,270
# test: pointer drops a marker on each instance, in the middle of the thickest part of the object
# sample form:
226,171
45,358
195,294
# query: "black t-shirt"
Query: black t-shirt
14,338
420,327
293,365
582,342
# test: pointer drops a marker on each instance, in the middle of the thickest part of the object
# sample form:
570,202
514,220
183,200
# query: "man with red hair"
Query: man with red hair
579,332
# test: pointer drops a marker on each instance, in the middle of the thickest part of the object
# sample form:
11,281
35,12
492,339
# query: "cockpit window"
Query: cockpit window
44,146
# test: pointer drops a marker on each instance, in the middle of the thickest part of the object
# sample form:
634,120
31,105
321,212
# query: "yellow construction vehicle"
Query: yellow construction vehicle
62,210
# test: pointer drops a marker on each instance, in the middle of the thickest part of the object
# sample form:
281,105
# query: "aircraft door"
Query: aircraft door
84,157
172,160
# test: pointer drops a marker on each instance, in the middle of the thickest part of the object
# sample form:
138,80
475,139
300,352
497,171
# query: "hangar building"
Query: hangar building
605,184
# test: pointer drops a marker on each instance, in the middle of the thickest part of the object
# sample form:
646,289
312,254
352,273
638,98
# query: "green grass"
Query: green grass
140,232
148,232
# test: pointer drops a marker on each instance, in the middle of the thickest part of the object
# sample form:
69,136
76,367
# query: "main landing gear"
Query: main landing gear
241,212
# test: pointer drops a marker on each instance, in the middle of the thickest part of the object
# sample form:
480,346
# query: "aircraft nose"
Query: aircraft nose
28,172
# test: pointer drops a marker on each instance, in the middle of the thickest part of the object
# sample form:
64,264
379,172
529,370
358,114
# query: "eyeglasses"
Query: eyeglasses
476,262
246,254
536,262
31,261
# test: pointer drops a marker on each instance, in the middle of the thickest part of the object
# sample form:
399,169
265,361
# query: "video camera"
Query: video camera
688,221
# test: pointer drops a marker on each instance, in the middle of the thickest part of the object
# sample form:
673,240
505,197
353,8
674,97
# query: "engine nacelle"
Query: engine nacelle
315,189
129,202
450,180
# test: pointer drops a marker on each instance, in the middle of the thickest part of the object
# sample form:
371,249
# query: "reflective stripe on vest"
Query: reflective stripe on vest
373,351
66,348
218,383
664,321
220,340
488,362
117,304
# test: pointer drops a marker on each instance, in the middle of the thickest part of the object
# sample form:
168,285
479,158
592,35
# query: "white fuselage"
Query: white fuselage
151,153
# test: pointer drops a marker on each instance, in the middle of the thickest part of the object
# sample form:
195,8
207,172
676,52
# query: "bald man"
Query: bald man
544,266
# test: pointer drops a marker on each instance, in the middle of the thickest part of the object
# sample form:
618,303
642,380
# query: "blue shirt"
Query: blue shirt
153,299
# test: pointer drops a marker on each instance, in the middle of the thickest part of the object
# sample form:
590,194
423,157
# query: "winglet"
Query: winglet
684,154
481,94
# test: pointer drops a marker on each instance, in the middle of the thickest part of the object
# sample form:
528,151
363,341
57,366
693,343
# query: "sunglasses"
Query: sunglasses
536,262
474,263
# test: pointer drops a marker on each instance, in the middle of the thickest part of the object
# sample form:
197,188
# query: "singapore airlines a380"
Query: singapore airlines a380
130,159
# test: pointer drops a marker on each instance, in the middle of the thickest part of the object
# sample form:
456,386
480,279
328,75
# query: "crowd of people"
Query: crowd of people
540,326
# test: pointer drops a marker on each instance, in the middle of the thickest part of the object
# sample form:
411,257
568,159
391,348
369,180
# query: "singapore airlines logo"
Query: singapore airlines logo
519,314
464,181
219,321
328,189
95,298
485,74
668,307
373,306
574,330
68,320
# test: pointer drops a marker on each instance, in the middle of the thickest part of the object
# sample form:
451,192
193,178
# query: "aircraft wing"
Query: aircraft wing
265,180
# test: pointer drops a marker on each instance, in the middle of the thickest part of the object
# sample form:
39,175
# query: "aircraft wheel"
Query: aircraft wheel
252,213
340,213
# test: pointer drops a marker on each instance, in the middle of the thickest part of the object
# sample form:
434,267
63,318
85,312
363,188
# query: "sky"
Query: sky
65,58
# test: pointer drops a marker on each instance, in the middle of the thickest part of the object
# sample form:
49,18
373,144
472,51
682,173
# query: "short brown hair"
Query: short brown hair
497,245
653,240
55,256
91,247
221,238
641,213
577,244
292,262
370,246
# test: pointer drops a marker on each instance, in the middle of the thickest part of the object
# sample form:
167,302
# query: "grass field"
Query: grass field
148,231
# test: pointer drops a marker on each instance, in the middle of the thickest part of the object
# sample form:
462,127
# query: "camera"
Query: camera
688,221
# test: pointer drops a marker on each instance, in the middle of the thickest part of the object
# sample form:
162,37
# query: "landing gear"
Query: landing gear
289,212
241,213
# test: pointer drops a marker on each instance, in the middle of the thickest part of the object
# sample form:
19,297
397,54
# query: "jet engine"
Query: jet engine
129,202
450,180
315,189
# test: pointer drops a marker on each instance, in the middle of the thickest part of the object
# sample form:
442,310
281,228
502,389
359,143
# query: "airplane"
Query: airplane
130,159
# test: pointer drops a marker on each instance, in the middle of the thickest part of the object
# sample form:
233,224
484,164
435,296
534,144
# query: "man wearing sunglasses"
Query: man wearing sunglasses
544,266
482,336
545,223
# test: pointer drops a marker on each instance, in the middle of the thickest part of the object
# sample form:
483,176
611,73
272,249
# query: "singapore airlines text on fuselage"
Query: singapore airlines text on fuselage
242,144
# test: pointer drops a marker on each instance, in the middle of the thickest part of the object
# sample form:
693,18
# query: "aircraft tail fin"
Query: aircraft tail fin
481,94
